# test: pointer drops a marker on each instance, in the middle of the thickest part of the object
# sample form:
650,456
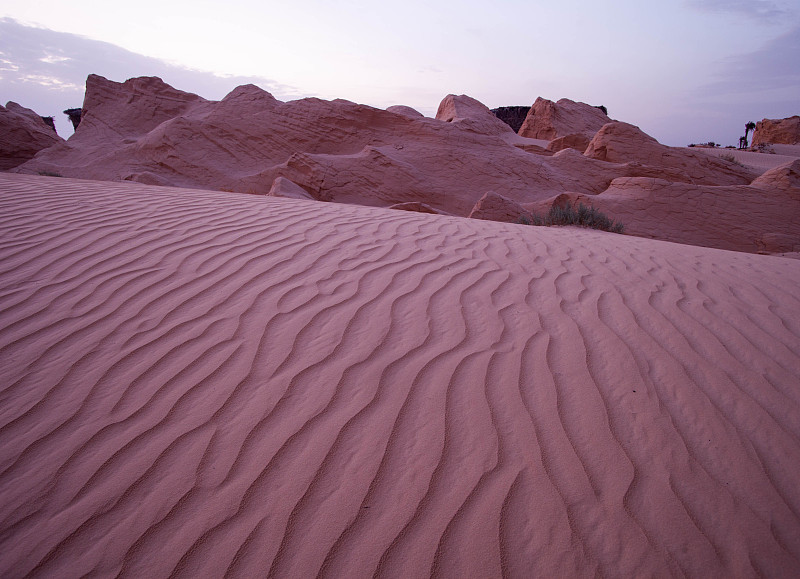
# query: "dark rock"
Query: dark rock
512,116
74,117
50,122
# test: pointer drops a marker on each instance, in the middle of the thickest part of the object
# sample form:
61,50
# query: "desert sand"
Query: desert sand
761,162
208,384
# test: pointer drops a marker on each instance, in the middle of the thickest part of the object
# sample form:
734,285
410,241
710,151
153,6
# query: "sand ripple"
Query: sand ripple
202,384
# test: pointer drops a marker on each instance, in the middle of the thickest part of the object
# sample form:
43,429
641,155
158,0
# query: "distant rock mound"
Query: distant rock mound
282,187
577,141
512,116
738,218
619,142
783,178
777,131
146,131
23,133
548,120
406,111
471,114
495,207
133,108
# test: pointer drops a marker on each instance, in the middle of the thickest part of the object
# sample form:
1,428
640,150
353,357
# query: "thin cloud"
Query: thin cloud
54,58
763,10
773,66
46,70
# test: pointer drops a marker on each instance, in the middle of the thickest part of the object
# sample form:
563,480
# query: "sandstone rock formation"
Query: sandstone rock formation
145,131
512,116
777,131
495,207
548,120
733,217
282,187
785,178
471,114
23,133
577,141
404,110
619,142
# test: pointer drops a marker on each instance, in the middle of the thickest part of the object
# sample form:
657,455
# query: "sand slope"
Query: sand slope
206,384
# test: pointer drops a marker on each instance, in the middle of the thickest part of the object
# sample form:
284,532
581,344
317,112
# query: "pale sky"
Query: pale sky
683,70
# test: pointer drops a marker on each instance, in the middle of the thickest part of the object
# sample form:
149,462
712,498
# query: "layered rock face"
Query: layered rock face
777,131
548,120
23,133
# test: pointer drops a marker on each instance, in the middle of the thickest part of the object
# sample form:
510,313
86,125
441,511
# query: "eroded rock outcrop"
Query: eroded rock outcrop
734,217
283,187
23,134
146,131
577,141
337,151
619,142
495,207
548,120
471,114
404,110
784,178
777,131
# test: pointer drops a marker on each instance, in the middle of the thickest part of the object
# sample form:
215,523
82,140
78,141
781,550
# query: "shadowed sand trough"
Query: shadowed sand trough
204,384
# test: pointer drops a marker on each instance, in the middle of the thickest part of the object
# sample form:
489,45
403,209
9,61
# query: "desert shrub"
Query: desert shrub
730,158
581,216
50,174
530,219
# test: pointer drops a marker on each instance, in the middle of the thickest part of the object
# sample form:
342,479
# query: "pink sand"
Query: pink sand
761,161
200,384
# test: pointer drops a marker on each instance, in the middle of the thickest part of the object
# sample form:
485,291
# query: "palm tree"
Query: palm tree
751,126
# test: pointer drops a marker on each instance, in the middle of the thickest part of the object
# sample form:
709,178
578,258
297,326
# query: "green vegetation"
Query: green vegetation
581,216
50,174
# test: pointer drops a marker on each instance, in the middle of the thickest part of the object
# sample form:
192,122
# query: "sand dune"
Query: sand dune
210,384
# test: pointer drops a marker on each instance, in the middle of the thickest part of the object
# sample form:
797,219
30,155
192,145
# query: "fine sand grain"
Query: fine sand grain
207,384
